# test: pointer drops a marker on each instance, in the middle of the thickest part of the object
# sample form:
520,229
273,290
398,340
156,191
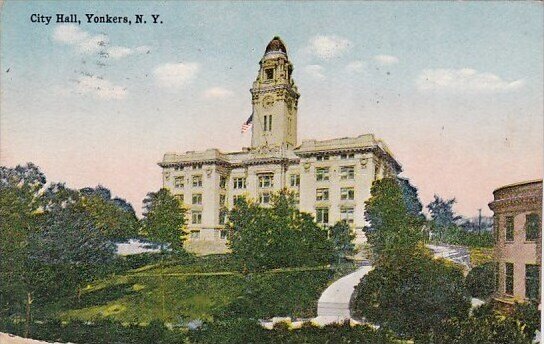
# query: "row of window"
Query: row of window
532,280
322,194
267,180
322,215
195,234
532,227
342,157
194,167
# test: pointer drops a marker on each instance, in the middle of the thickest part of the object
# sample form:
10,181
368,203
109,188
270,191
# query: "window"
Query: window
509,228
236,197
532,281
297,197
222,199
222,182
266,180
322,157
197,181
264,198
322,174
532,227
197,167
346,214
347,172
224,234
179,182
269,73
222,217
322,215
267,123
322,194
178,168
509,278
295,180
197,199
347,194
347,156
239,183
179,197
195,234
196,217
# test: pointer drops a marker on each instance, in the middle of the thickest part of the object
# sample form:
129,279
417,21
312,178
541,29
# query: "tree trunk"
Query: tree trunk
27,324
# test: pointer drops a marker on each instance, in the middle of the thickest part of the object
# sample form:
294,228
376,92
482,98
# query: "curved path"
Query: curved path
333,305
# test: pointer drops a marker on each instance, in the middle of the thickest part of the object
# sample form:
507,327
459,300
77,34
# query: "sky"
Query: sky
455,89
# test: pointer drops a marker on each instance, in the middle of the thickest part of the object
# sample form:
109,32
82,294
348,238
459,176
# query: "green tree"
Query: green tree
276,236
392,227
480,281
164,219
443,219
342,238
115,218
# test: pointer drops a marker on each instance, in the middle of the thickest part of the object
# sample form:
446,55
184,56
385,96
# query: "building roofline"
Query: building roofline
528,182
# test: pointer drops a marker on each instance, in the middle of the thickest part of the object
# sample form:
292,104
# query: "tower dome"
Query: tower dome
275,45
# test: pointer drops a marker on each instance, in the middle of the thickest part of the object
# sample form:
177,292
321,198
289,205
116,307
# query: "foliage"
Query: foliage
459,236
411,198
442,213
528,315
99,332
115,218
480,281
277,236
484,326
164,219
342,241
19,202
412,294
392,228
249,331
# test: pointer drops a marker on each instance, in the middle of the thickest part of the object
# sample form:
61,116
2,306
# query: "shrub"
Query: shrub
480,281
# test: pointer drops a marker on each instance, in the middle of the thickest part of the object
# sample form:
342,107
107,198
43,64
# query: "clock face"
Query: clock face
268,101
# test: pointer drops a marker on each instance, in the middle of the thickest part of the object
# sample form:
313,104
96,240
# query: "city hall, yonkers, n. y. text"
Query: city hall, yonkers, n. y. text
331,178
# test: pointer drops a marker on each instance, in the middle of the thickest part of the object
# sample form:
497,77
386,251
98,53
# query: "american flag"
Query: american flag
247,124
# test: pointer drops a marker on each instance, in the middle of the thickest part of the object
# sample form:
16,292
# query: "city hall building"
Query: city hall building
332,178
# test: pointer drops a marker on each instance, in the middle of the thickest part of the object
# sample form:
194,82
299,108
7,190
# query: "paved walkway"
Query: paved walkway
333,305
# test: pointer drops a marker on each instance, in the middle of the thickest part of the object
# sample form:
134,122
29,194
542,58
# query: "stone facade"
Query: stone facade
332,178
518,240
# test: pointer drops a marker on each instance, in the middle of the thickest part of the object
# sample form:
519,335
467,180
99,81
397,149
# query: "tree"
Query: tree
342,240
19,204
392,227
69,243
480,281
164,219
276,236
442,215
115,218
412,295
408,291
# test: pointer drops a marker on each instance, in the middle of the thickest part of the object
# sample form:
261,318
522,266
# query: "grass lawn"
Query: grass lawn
480,255
206,288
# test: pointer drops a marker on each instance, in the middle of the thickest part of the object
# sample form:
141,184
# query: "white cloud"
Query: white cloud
217,93
328,47
386,59
464,80
86,43
100,88
356,66
175,74
315,71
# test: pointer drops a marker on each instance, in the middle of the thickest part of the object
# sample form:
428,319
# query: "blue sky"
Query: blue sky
454,88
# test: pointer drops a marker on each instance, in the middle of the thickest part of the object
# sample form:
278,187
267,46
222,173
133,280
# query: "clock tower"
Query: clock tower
274,100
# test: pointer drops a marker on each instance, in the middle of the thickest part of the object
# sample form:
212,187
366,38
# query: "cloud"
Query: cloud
100,88
464,80
328,47
315,71
175,74
86,43
217,93
356,66
386,59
